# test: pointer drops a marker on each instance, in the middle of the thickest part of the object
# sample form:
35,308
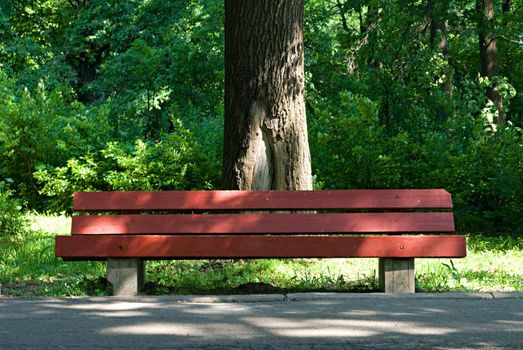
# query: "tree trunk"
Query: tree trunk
265,131
438,30
438,25
506,6
488,52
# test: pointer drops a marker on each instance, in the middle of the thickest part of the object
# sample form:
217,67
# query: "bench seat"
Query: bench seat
393,225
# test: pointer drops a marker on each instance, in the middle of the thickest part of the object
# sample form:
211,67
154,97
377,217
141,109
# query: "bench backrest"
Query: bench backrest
222,212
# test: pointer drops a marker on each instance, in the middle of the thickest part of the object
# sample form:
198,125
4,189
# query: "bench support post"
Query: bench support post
126,276
396,275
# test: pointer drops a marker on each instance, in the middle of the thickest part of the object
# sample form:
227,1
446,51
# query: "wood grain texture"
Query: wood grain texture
187,247
262,200
264,223
264,98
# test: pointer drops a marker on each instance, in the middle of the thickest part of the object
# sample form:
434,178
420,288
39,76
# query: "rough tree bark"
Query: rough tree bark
265,131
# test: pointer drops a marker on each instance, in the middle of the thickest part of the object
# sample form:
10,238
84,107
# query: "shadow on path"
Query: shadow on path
328,323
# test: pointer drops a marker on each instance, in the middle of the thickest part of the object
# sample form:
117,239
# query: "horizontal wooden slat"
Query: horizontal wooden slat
264,223
194,247
262,200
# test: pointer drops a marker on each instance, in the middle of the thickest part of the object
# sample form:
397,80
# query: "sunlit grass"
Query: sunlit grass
28,267
492,264
59,224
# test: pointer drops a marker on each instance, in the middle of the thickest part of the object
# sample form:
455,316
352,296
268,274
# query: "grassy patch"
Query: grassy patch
28,267
266,275
492,264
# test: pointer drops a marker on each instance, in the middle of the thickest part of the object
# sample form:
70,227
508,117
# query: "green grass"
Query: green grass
28,267
493,263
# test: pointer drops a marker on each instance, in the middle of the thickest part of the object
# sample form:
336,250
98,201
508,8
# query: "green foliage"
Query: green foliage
13,222
93,95
411,116
175,162
28,122
38,130
352,127
165,72
485,174
29,267
481,167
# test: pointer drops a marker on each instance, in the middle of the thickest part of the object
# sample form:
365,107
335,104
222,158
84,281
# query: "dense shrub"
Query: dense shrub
482,168
175,162
37,129
12,221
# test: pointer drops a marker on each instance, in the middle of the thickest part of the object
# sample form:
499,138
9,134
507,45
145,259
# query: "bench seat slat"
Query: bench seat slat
189,247
403,222
262,200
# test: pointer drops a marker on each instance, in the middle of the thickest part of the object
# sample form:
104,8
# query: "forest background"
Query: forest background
128,95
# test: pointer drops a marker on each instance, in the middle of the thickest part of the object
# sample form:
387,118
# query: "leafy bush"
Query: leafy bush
13,223
485,174
37,130
481,165
349,145
172,163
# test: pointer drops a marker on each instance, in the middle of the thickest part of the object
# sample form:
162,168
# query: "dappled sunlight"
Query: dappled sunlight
118,314
342,327
343,321
518,325
103,224
50,223
365,313
220,320
250,223
106,306
231,200
216,330
216,234
204,309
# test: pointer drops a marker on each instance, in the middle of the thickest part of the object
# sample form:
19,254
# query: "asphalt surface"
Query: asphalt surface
294,321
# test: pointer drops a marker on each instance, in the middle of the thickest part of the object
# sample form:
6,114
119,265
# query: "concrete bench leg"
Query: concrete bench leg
126,276
396,275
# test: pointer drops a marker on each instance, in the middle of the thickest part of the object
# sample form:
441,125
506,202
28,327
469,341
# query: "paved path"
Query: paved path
295,321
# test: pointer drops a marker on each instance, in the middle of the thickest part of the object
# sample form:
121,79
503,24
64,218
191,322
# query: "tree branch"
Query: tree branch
339,5
520,42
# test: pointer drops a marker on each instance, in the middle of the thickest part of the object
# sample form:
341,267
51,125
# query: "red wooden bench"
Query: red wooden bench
393,225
